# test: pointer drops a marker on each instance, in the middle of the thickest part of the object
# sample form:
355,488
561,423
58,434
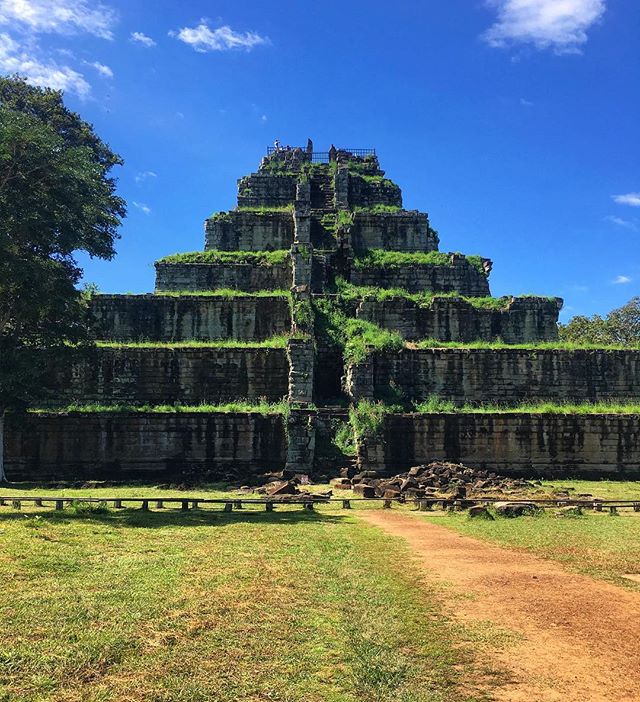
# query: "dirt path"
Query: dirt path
579,639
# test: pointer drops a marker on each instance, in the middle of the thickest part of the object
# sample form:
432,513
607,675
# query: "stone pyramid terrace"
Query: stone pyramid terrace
322,330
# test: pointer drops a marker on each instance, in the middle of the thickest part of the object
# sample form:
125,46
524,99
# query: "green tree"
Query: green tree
621,326
57,197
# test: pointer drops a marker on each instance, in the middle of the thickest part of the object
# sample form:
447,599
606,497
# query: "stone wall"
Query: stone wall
394,231
501,376
266,190
454,319
176,277
191,375
186,317
461,277
368,193
249,231
135,446
544,445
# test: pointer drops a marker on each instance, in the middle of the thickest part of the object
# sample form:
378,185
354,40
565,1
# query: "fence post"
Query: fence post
269,506
346,504
237,504
145,505
59,505
159,504
185,506
117,504
228,507
387,504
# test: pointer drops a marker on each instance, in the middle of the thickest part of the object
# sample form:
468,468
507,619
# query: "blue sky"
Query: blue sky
514,123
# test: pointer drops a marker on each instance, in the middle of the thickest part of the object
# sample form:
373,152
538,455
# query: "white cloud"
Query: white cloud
263,118
632,199
204,39
526,103
142,207
621,280
141,38
143,175
103,70
560,25
59,16
15,58
620,222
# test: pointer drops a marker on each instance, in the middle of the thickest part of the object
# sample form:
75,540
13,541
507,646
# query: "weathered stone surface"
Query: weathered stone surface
160,375
368,193
128,446
461,277
543,445
178,277
189,317
502,376
480,512
240,230
394,231
266,190
454,319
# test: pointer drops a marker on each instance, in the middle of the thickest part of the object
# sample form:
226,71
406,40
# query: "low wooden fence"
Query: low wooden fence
186,504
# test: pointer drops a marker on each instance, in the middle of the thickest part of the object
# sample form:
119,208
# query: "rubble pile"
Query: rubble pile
451,480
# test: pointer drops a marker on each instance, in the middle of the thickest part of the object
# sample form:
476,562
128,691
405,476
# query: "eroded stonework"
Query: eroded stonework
317,291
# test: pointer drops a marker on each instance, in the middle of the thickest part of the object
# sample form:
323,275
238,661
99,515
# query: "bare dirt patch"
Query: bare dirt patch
578,638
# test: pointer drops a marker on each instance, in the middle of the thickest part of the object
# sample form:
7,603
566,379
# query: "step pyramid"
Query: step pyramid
313,333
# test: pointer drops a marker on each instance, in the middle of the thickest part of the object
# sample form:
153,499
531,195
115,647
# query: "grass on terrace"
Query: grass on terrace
381,258
256,258
437,405
258,407
349,291
594,544
224,292
274,342
558,345
174,607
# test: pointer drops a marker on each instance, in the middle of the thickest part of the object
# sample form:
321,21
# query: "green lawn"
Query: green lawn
187,607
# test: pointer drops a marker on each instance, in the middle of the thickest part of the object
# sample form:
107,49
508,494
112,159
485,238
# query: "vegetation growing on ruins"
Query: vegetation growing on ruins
260,407
274,342
254,258
437,405
424,299
382,258
557,345
265,210
223,292
357,338
379,209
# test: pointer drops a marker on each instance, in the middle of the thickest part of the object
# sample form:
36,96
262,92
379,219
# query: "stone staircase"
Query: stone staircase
322,192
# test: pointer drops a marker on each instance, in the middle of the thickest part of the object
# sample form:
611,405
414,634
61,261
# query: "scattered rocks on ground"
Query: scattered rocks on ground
480,512
450,481
515,509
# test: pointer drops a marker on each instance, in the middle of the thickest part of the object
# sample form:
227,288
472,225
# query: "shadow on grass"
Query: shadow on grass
140,519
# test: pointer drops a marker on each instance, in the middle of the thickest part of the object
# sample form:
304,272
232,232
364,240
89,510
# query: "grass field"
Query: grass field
187,607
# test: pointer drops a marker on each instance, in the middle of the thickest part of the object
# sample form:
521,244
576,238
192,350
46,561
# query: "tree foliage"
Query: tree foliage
57,197
621,327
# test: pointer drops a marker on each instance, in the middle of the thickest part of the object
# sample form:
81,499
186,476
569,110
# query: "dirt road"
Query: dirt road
577,638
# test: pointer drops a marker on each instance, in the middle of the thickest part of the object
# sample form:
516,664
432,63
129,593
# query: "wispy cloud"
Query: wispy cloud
59,16
560,25
15,58
141,38
526,103
632,199
204,39
621,222
142,207
103,70
144,175
621,280
26,20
